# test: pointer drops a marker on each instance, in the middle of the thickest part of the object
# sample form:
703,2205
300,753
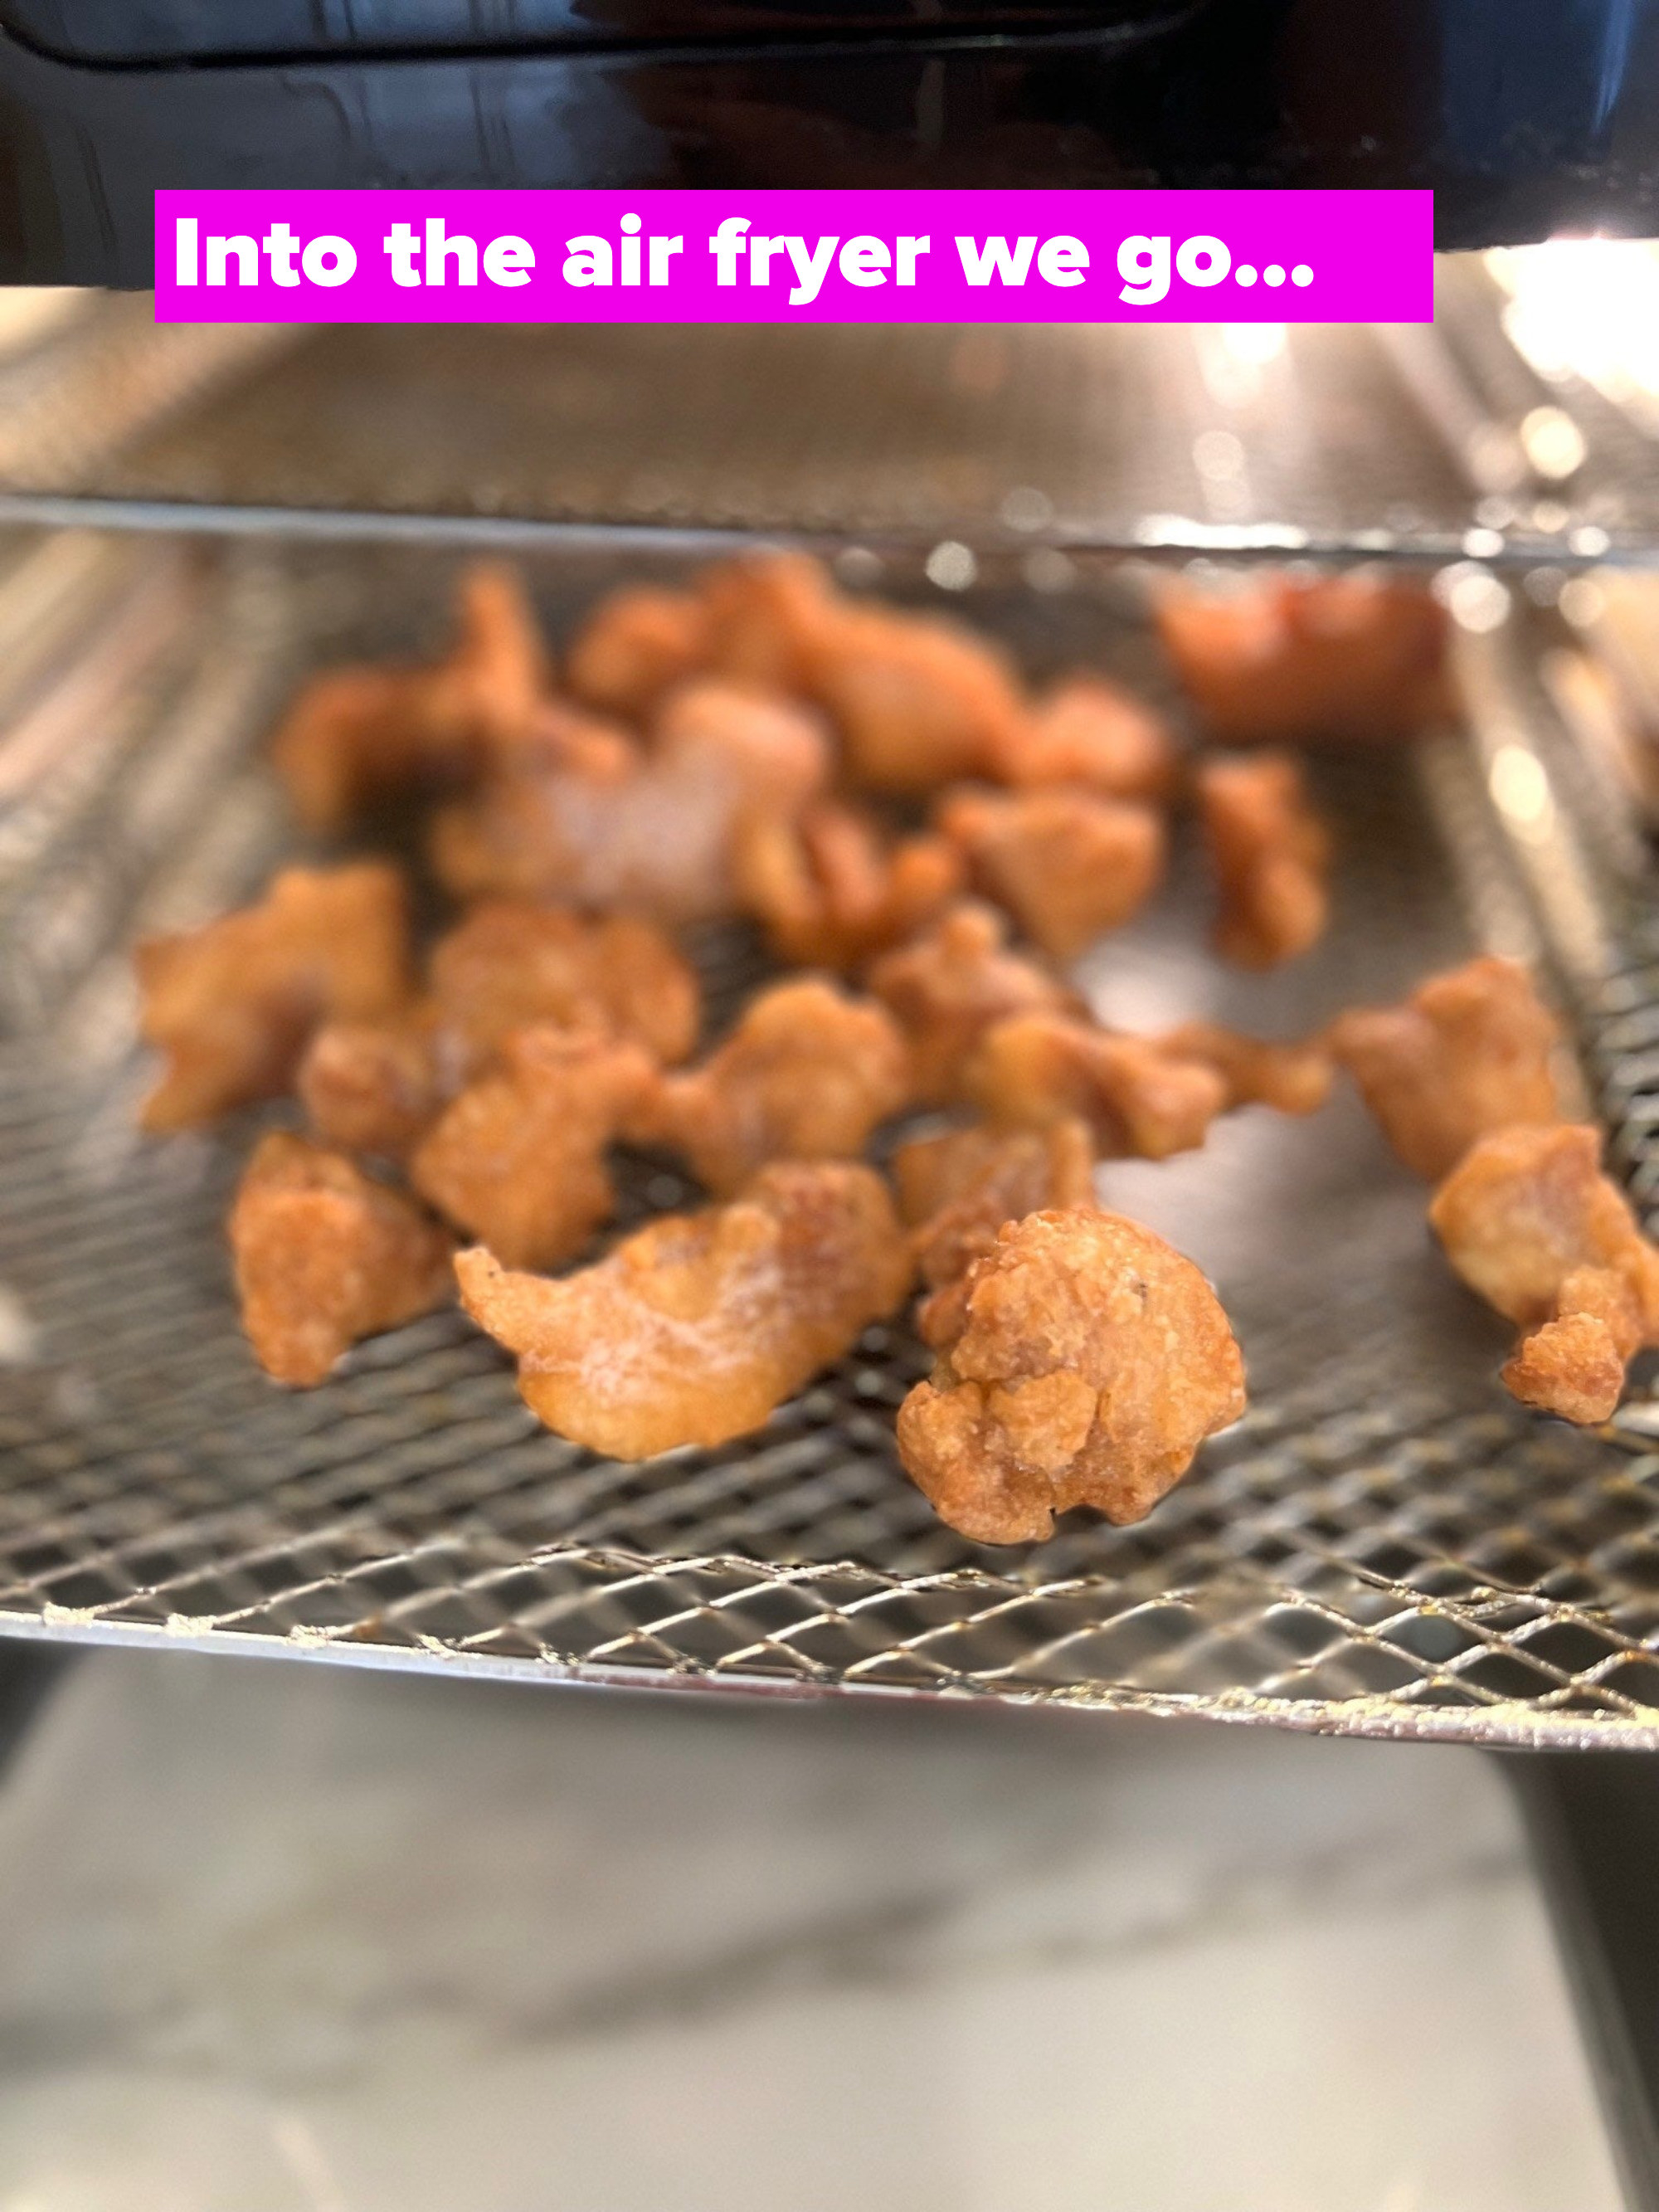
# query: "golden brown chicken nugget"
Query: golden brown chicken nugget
655,833
354,735
768,617
1067,866
807,1073
1470,1051
959,1188
830,891
232,1005
519,1158
696,1328
1292,1078
513,963
948,987
1089,733
1530,1222
635,646
378,1086
1088,1362
325,1256
1289,661
1270,854
1137,1102
918,701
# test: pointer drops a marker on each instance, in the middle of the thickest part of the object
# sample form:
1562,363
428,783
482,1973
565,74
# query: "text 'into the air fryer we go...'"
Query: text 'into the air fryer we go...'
707,257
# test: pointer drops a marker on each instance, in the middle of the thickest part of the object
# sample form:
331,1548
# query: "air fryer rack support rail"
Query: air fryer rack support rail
1385,1545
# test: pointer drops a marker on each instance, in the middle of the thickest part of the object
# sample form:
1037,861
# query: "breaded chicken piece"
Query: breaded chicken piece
636,645
769,616
654,833
1085,1363
1292,660
1067,866
512,962
957,1190
918,701
1089,733
377,1087
1292,1078
829,891
1270,854
806,1074
324,1257
1530,1222
519,1158
948,987
1137,1102
354,735
696,1328
232,1005
1470,1051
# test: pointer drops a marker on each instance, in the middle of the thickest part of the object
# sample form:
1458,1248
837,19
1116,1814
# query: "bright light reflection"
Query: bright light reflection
1587,307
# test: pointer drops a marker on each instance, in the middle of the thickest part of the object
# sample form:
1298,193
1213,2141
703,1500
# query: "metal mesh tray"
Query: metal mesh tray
1385,1545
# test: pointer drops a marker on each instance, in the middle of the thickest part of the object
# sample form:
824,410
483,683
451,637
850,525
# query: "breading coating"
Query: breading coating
1088,1362
354,735
377,1087
654,832
918,701
1530,1222
325,1256
637,644
232,1005
1067,866
1270,854
519,1158
1089,734
1137,1102
1470,1051
1292,1078
696,1328
948,987
769,616
829,891
959,1188
806,1074
512,962
1336,657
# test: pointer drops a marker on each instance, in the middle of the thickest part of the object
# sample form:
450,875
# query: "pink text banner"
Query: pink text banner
785,257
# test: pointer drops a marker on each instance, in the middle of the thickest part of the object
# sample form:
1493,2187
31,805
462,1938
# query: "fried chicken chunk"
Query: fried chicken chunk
1470,1051
378,1086
1335,657
947,988
1530,1222
918,701
324,1257
769,616
1137,1100
829,892
959,1188
1067,866
1292,1078
354,735
654,832
519,1158
1089,733
1271,855
231,1004
696,1328
806,1074
635,646
510,962
1087,1362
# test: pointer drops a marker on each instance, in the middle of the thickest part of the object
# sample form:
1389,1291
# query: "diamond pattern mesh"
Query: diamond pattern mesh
1385,1544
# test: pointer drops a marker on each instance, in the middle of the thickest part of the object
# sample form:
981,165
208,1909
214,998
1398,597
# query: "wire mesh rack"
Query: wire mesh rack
1385,1544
